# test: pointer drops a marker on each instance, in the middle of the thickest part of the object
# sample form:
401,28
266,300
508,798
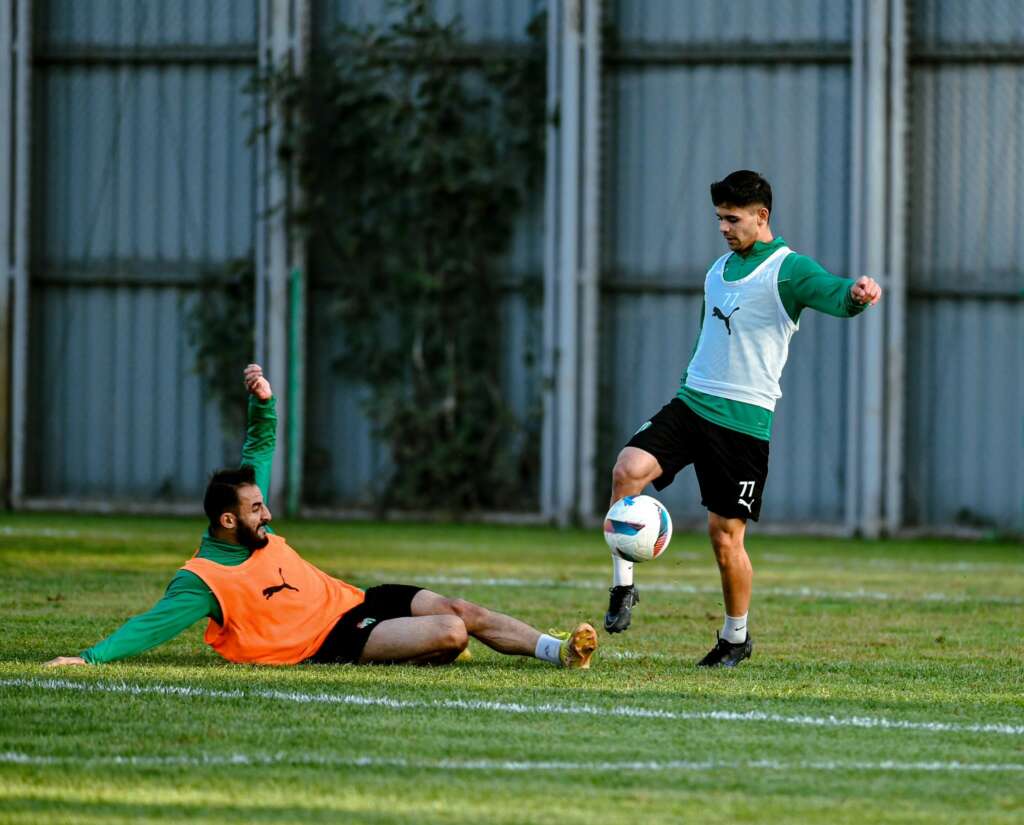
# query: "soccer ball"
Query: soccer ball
638,528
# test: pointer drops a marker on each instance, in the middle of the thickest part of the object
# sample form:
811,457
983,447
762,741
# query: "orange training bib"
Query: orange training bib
278,608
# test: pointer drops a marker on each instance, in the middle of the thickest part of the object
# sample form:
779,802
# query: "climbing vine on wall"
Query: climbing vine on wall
415,158
220,325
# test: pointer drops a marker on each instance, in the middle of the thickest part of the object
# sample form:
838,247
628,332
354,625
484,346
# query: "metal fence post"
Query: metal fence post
870,359
854,331
20,318
297,295
548,458
571,269
6,153
561,265
896,297
567,367
280,265
590,274
872,410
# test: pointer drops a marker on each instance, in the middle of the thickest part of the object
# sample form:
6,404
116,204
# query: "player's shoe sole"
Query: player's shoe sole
620,607
579,647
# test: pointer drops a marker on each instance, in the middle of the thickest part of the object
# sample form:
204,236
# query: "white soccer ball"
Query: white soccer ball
638,528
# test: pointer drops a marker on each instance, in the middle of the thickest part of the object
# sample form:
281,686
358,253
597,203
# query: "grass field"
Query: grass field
887,685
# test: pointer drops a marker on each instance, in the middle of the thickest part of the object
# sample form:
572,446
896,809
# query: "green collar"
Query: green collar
209,544
760,248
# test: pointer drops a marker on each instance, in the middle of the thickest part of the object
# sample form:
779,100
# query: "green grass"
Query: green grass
922,631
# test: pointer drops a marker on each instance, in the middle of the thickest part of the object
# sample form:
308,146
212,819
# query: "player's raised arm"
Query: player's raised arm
804,283
261,427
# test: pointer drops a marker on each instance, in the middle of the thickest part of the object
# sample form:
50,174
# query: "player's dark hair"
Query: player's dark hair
742,188
222,491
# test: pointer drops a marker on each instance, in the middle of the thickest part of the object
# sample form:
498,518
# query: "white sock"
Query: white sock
548,648
734,630
622,571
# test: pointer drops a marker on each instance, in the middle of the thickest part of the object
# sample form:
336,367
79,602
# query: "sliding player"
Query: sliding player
267,605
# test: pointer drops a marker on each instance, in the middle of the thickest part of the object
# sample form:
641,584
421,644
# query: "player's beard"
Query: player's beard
247,537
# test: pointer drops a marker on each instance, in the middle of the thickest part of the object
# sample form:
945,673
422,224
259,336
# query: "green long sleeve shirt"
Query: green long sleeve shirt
187,598
803,284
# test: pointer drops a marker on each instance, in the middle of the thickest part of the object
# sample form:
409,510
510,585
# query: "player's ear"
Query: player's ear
228,520
762,214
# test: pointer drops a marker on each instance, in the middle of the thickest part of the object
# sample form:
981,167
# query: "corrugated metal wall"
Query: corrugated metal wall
142,178
965,436
344,468
687,108
781,21
494,21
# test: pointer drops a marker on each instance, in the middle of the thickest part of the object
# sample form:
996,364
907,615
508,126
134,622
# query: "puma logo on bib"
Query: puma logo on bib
277,588
717,313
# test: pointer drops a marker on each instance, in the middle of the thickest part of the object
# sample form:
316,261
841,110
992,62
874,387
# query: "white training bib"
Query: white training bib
744,340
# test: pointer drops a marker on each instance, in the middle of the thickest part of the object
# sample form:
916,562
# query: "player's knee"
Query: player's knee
629,470
727,543
452,636
473,615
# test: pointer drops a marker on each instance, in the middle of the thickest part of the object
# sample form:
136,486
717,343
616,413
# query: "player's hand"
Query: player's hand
60,661
256,383
866,291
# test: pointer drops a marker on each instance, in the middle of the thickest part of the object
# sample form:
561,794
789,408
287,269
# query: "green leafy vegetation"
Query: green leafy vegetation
414,170
416,156
920,633
220,327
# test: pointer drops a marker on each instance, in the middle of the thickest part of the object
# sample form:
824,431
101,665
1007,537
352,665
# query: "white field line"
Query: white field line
663,587
856,563
37,532
105,535
845,562
490,765
831,721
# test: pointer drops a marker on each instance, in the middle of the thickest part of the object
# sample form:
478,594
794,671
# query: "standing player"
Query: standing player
720,420
267,605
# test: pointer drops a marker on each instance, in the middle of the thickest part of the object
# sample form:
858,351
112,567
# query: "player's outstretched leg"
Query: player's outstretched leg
634,469
423,640
509,635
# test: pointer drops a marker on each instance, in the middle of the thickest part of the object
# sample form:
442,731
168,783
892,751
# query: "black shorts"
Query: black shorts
345,643
731,467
